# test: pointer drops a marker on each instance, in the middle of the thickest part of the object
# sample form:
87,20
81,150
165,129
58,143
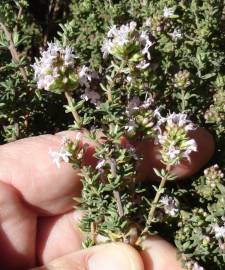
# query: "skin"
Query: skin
38,223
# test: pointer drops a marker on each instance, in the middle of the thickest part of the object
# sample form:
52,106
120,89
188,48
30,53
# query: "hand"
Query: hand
39,226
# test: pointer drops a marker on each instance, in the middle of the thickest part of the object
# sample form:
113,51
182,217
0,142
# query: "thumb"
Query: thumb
114,256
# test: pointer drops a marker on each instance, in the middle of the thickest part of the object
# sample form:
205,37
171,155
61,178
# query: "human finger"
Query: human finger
27,166
58,236
30,185
114,256
158,254
17,230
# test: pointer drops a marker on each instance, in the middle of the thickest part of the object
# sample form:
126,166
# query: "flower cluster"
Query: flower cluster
176,34
86,77
182,79
69,152
216,112
119,38
54,71
208,186
126,43
170,205
213,175
168,12
174,139
141,117
61,155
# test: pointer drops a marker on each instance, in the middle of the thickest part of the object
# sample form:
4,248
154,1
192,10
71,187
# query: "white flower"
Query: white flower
173,152
147,103
196,266
147,23
142,65
91,95
68,56
157,113
146,43
106,47
191,146
165,200
179,119
170,205
100,164
117,37
60,156
168,12
161,138
45,81
129,79
219,231
45,69
85,76
176,34
112,31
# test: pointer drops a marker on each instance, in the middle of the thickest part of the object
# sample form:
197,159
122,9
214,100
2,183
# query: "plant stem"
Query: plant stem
73,111
155,201
117,197
19,15
109,95
116,193
183,101
93,232
112,165
13,51
112,82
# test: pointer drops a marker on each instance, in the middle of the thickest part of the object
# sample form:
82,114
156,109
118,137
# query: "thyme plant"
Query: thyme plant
121,104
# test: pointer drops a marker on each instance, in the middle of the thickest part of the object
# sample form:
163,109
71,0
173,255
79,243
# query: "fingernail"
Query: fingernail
114,257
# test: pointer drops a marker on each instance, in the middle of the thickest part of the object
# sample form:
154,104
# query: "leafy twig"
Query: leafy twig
51,11
73,111
155,201
12,49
